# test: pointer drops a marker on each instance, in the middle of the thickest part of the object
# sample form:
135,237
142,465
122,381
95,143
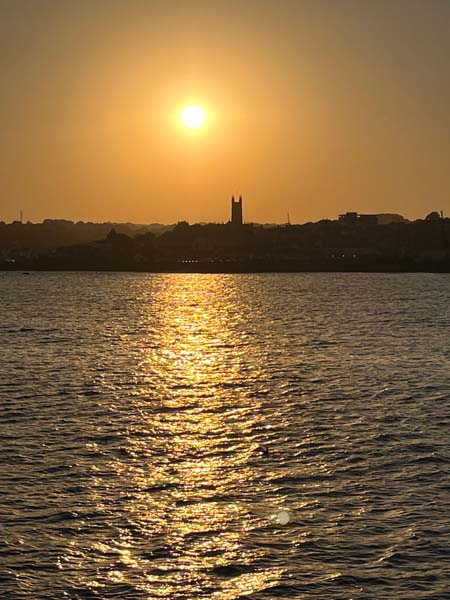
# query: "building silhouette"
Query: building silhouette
236,211
352,218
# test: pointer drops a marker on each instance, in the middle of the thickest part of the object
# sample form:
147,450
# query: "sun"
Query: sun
193,117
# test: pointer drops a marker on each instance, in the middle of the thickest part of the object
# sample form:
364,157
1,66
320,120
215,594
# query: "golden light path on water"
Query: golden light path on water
188,473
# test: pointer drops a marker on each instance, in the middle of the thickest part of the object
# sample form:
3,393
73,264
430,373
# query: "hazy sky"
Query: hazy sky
314,107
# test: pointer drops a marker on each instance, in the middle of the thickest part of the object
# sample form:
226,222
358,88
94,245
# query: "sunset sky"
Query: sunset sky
312,107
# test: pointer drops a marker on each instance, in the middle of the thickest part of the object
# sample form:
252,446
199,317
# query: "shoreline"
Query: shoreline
236,267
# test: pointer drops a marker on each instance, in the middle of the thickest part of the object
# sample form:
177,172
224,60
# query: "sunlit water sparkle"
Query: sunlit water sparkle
224,436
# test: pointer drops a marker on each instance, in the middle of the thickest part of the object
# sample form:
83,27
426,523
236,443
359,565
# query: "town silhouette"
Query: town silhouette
353,242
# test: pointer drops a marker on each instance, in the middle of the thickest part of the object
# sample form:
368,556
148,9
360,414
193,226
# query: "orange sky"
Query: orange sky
314,108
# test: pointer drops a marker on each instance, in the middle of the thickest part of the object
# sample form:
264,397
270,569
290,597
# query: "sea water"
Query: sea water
187,436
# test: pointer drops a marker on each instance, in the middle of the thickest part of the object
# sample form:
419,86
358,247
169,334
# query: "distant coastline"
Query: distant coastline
243,266
352,243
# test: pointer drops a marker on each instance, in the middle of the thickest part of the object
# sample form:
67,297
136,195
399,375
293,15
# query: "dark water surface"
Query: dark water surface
224,436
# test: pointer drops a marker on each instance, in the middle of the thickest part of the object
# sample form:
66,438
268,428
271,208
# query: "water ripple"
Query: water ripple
224,436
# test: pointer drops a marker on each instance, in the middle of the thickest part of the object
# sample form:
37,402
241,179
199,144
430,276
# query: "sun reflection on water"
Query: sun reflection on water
185,475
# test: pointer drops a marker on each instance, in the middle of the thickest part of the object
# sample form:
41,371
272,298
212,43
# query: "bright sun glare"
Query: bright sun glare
193,117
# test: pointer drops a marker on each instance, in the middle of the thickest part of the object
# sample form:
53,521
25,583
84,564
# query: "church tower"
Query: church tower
236,211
